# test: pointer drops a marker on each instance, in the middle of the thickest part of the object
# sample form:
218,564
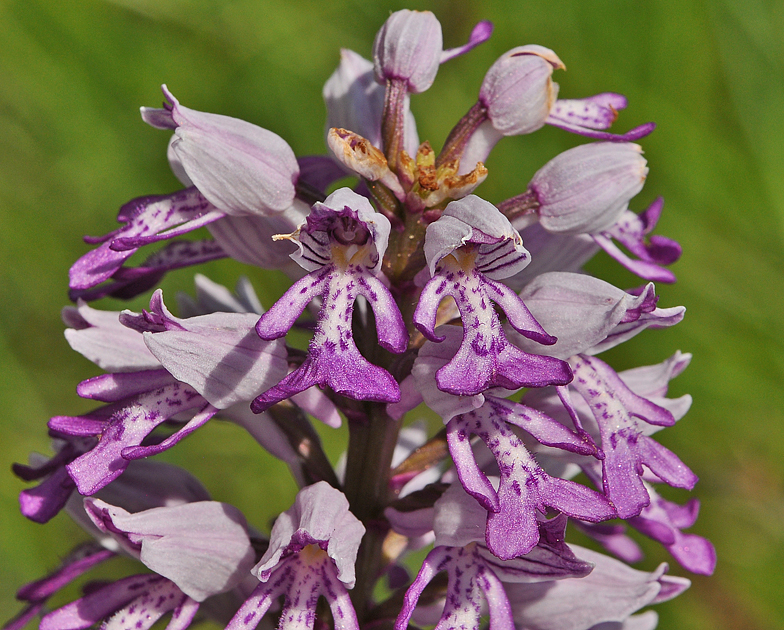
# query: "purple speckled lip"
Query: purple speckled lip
416,295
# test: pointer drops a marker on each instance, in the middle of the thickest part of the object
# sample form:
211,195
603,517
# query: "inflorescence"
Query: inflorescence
417,291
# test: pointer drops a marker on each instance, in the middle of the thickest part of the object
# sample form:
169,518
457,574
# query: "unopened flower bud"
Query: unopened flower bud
586,189
518,90
408,48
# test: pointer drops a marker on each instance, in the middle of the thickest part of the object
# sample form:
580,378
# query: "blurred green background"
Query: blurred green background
710,73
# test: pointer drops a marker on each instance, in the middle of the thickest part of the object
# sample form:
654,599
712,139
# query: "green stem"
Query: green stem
370,448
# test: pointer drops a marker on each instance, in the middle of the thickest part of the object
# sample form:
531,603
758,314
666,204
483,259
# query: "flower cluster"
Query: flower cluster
417,292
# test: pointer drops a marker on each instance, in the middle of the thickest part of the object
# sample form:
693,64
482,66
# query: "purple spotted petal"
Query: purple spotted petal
333,359
654,253
139,602
431,358
128,282
470,584
524,489
485,357
594,112
588,116
302,579
119,426
618,412
145,218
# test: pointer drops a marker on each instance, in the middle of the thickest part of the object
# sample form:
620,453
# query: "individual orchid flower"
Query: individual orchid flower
232,169
524,489
146,485
518,96
207,363
197,550
468,249
312,550
623,416
620,414
475,576
586,190
341,245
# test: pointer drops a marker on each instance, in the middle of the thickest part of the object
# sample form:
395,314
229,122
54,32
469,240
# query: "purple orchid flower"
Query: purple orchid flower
518,96
470,247
209,363
620,414
475,576
197,550
312,550
342,245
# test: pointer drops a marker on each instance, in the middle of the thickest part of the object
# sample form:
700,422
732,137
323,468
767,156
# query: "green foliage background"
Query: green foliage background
710,73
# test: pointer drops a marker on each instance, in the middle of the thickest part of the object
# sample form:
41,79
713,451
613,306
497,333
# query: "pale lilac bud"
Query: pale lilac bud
240,168
586,189
408,48
518,91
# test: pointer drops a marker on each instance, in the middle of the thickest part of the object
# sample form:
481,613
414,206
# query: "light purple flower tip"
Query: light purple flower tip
589,315
586,189
479,35
239,167
202,547
518,91
219,355
320,516
408,48
611,593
